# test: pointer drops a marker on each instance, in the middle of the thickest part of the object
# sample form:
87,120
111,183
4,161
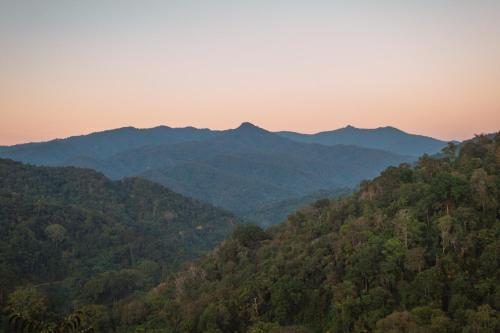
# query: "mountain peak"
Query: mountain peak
248,125
248,130
390,129
348,128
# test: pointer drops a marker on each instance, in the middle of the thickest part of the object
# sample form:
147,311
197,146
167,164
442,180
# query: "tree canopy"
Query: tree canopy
417,249
71,237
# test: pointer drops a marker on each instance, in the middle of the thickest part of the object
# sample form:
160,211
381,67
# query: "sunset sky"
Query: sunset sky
73,67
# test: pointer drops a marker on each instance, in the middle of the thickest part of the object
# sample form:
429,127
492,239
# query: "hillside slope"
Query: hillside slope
278,211
415,250
64,228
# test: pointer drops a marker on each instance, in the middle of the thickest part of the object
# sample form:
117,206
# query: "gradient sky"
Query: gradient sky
73,67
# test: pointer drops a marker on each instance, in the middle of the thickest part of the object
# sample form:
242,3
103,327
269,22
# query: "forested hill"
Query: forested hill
415,250
81,236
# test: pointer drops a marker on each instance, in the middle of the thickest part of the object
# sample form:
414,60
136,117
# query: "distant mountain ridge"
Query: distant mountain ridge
103,144
248,167
385,138
243,169
109,142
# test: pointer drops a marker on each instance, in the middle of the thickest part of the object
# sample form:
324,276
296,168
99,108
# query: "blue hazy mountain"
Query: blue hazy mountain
100,145
385,138
246,169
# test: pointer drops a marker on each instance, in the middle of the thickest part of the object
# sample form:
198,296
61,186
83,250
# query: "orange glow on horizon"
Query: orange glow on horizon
71,69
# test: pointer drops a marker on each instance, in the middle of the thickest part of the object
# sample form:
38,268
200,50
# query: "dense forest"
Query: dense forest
71,237
417,249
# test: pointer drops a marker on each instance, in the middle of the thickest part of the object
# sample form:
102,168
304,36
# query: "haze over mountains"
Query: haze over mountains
245,170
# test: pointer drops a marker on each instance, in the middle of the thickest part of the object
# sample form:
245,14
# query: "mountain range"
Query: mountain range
244,170
386,138
399,254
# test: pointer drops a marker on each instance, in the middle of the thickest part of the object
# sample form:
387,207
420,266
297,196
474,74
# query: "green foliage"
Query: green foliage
55,232
73,323
249,235
27,302
78,238
415,250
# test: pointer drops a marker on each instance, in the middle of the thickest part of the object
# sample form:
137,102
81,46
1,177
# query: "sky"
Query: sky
74,67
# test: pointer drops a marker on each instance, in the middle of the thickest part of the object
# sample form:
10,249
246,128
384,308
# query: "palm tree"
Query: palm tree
71,324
